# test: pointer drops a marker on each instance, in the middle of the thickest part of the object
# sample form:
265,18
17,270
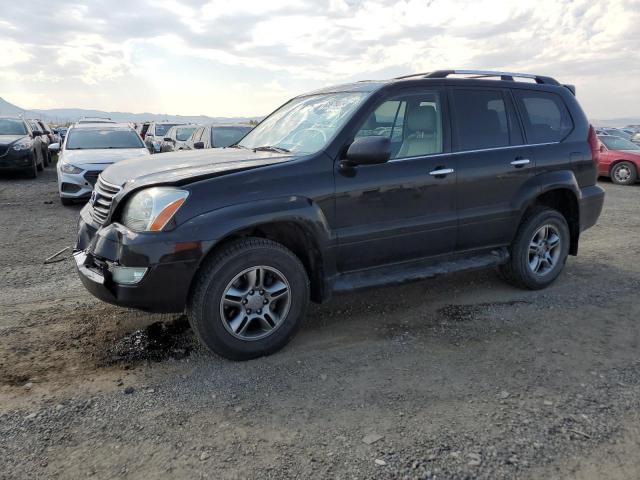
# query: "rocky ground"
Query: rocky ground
459,377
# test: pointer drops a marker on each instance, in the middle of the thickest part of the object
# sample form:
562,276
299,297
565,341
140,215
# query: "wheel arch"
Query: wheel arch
619,160
298,224
564,199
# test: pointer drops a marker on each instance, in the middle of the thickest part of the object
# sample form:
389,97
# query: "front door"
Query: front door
405,208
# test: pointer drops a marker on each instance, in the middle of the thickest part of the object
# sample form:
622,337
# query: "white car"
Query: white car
176,138
87,150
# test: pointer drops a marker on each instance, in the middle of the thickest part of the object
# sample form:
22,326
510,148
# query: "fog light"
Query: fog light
127,275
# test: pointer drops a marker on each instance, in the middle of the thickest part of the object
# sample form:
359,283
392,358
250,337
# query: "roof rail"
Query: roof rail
483,74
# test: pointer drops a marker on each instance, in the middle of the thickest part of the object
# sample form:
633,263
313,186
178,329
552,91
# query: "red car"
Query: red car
619,159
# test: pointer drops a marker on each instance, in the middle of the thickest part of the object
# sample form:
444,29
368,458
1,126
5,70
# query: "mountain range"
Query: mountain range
59,116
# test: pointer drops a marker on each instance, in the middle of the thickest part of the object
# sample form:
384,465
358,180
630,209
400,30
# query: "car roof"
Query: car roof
102,126
454,77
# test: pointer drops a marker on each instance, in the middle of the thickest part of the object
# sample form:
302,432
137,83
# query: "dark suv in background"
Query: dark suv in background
352,186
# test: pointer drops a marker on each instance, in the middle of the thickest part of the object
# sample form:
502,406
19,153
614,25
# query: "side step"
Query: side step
418,270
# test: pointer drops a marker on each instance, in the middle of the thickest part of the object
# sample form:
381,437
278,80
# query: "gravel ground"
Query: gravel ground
458,377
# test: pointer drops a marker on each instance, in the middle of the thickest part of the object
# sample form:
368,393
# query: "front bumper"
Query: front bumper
170,266
15,159
75,185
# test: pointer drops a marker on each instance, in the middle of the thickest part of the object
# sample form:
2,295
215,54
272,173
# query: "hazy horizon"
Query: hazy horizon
192,57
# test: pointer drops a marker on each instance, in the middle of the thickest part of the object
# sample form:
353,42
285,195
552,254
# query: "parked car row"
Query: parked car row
631,133
24,145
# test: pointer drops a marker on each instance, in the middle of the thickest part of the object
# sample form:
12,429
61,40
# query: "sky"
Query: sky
245,58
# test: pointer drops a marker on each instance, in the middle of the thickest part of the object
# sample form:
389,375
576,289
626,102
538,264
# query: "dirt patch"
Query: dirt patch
159,341
465,313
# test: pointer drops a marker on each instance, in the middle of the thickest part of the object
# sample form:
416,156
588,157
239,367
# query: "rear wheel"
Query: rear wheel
249,299
624,173
539,251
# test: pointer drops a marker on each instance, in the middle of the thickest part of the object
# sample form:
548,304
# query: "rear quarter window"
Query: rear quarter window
545,116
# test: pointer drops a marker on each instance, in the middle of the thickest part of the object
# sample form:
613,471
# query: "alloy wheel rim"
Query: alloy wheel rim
255,303
622,173
544,250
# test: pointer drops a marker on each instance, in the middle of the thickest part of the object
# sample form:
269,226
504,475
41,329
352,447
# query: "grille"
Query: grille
92,176
101,200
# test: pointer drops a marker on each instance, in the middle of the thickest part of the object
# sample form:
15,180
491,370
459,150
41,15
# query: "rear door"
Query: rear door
493,165
402,209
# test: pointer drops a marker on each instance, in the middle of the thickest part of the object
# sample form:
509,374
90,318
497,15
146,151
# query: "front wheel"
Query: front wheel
32,170
249,299
539,251
624,173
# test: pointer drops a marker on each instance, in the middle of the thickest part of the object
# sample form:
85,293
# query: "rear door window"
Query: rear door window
545,116
480,119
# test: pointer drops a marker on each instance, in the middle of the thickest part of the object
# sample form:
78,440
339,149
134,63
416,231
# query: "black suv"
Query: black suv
347,187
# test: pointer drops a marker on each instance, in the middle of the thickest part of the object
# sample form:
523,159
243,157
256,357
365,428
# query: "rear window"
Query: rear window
545,116
480,119
163,128
79,138
225,136
183,133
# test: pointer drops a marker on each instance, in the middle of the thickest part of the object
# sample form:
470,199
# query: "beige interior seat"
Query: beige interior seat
422,138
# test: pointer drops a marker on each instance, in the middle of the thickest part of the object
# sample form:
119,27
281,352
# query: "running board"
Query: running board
418,270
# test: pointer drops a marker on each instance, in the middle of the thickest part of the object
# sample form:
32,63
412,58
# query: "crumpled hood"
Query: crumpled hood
178,167
103,155
6,140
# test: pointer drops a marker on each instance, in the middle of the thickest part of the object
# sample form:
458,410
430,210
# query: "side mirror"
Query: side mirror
54,147
168,139
198,145
36,133
368,151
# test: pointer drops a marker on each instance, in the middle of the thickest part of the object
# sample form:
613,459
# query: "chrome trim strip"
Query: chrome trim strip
434,155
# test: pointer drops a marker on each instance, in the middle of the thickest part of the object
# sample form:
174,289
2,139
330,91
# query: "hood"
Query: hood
178,167
102,155
634,153
9,139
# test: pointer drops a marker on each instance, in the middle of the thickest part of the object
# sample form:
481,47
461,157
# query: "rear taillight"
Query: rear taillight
594,144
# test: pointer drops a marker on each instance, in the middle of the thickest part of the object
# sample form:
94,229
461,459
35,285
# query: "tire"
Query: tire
624,173
46,159
32,170
230,274
41,164
67,202
520,270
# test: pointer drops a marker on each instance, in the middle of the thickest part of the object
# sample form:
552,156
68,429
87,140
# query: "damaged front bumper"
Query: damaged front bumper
137,270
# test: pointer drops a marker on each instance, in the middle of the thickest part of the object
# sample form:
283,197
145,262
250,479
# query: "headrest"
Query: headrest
422,119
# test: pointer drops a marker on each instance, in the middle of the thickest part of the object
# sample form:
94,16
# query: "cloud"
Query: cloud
273,50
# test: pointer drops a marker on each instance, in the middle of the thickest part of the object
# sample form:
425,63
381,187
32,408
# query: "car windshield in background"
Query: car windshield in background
183,133
617,143
79,138
305,124
163,128
12,127
225,136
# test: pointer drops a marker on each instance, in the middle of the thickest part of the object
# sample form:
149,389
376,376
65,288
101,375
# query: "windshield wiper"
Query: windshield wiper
271,148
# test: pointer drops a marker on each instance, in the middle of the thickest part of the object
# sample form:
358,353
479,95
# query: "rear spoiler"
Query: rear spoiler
572,88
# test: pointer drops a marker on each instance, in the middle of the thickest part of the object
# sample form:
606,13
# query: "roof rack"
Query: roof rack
483,74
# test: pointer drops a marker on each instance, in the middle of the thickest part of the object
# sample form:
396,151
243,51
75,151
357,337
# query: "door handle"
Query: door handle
441,172
520,162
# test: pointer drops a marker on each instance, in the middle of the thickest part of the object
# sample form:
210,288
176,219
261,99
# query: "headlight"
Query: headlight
151,209
68,168
23,145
